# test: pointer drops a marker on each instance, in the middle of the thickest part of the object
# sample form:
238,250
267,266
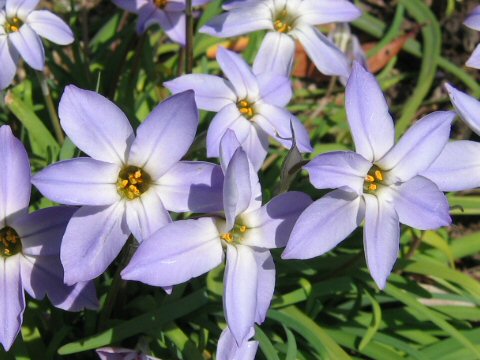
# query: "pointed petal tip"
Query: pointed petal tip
229,138
71,89
472,62
70,279
188,94
128,274
381,282
449,87
293,253
205,29
453,92
286,255
6,129
222,50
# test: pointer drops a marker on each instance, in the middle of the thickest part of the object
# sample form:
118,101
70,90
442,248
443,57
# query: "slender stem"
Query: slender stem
47,96
269,161
84,23
117,282
189,35
417,241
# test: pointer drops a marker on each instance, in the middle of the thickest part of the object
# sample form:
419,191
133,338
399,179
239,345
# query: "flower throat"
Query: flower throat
13,25
284,22
133,182
10,243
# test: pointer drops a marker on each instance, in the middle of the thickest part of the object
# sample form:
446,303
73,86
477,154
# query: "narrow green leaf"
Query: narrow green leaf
432,41
154,319
433,239
425,266
412,302
374,324
42,141
439,349
464,205
181,340
265,344
291,345
317,337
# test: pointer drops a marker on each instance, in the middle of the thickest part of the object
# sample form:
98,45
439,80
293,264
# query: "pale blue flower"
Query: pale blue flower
229,349
169,14
129,182
30,246
458,166
252,106
379,183
287,21
21,27
473,22
245,231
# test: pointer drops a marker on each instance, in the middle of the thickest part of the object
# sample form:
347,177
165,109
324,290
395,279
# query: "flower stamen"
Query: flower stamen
132,182
161,3
13,25
373,179
10,243
246,108
228,237
235,236
284,22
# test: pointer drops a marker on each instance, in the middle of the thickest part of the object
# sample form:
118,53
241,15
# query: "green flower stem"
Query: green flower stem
189,33
117,283
47,96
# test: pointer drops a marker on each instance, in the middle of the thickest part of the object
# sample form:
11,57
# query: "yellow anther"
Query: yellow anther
161,3
369,178
228,237
134,190
246,108
284,22
246,111
282,27
372,187
242,228
13,25
378,175
132,182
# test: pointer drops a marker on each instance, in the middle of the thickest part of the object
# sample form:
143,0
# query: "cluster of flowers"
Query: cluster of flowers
131,181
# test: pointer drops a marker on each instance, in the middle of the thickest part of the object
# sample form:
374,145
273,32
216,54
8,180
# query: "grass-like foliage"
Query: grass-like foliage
328,307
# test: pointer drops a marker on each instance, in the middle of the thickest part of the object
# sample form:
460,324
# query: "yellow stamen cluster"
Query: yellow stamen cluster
161,3
234,236
283,23
13,25
132,182
10,243
373,178
246,108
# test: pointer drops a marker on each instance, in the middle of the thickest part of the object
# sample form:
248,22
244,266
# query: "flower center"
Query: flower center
373,180
235,235
161,3
284,21
13,25
246,108
10,243
133,182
